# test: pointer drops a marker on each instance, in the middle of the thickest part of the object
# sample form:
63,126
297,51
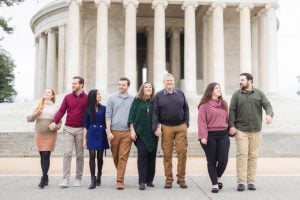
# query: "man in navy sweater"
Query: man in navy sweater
74,104
171,120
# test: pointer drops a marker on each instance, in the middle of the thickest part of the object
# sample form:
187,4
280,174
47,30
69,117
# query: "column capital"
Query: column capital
261,12
134,2
218,4
187,3
50,30
272,5
98,2
149,28
155,3
245,5
79,2
42,34
208,12
176,29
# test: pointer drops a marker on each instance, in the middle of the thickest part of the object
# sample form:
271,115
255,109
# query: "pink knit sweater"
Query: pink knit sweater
211,117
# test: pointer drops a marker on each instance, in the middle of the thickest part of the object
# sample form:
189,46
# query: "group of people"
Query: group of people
144,119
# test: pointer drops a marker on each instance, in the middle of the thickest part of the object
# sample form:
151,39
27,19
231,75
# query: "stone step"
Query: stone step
21,144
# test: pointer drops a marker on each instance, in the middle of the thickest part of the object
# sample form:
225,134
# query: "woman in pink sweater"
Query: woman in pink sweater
213,133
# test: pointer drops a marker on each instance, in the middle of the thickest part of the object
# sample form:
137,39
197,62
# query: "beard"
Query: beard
244,87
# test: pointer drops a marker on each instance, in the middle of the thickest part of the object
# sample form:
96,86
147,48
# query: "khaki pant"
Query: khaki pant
248,144
179,135
120,148
73,136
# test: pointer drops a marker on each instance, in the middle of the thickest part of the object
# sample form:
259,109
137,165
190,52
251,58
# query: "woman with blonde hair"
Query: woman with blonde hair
45,138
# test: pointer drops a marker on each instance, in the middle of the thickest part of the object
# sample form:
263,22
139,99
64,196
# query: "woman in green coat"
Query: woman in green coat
140,121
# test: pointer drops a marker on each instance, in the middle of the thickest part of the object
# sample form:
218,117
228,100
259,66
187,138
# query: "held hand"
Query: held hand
204,141
39,111
232,131
52,126
158,132
268,119
133,135
110,136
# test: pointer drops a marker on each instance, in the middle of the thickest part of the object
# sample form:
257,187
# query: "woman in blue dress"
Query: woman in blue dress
95,135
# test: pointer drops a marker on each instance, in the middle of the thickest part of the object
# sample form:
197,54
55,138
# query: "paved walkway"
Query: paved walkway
278,179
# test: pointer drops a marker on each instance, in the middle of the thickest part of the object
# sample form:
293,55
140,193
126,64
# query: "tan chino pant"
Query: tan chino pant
120,148
179,135
248,144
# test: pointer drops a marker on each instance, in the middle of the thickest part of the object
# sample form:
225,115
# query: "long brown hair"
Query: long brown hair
141,95
41,104
208,96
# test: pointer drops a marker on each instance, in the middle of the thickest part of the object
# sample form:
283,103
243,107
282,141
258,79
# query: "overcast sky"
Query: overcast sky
21,45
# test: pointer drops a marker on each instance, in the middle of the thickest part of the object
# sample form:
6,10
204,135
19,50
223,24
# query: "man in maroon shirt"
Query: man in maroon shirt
74,104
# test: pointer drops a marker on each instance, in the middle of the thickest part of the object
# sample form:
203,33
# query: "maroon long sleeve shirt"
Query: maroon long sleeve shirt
74,106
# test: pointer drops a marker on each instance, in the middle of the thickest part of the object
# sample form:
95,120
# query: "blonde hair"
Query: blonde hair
41,103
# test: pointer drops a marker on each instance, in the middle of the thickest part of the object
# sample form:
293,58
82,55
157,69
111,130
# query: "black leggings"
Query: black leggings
45,161
216,151
99,161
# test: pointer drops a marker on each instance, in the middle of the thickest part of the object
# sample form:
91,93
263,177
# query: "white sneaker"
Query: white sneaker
77,183
65,183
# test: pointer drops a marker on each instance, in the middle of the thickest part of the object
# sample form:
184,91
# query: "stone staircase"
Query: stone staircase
280,139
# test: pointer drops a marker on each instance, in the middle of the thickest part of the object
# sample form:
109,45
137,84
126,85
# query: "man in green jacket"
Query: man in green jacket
245,121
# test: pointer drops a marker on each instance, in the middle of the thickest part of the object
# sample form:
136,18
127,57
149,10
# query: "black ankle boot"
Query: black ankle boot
98,181
93,182
46,180
42,183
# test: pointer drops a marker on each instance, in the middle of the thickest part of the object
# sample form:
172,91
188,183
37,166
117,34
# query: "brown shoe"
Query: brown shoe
120,185
168,185
182,184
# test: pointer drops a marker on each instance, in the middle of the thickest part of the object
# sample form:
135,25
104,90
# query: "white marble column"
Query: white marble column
101,74
262,49
41,80
61,60
175,54
51,71
159,59
210,49
150,53
190,74
272,48
255,51
130,43
205,50
218,44
36,68
245,37
73,45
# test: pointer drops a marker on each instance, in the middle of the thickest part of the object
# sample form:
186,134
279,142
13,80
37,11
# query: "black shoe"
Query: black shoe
150,185
240,187
251,186
142,186
42,183
220,184
93,182
46,180
98,181
214,190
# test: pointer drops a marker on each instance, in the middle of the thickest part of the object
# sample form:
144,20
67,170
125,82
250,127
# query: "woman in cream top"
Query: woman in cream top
44,138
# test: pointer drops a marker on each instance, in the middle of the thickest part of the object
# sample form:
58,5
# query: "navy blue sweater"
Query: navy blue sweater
170,109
